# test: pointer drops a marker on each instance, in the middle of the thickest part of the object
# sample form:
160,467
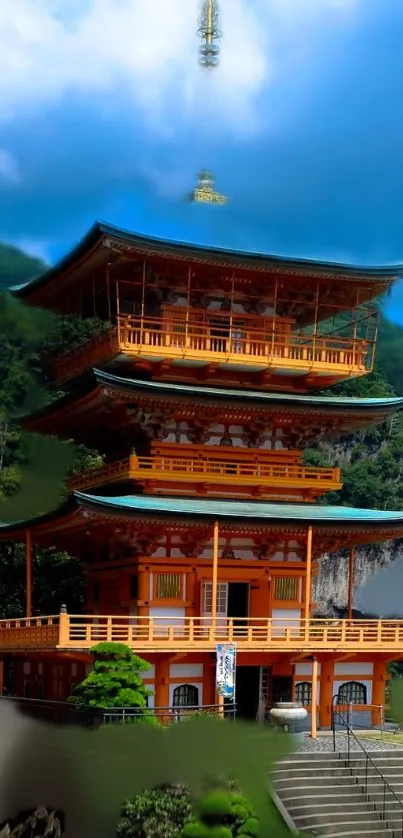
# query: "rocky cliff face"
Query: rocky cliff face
330,587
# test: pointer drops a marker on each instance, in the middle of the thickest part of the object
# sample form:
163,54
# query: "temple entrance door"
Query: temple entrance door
247,692
281,688
222,603
238,602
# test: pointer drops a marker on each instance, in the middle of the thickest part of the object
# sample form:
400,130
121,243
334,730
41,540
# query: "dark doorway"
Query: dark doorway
281,688
247,691
238,600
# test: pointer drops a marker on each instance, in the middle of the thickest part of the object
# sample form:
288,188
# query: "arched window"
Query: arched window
186,695
303,693
352,691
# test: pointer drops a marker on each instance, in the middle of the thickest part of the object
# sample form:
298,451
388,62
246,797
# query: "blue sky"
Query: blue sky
104,113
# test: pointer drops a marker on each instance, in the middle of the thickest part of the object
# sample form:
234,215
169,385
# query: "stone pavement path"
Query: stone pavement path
324,744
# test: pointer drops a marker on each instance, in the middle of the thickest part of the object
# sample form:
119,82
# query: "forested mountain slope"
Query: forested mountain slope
372,463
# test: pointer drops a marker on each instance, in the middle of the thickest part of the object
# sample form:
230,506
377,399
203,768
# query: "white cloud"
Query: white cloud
9,171
146,52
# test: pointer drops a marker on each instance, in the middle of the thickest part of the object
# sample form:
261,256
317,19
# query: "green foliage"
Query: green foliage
223,813
17,267
115,680
170,812
156,813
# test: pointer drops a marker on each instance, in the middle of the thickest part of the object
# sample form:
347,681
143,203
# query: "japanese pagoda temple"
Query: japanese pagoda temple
202,525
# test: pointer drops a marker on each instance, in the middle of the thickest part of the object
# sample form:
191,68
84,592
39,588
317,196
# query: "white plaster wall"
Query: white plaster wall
150,673
168,617
285,617
186,670
354,668
305,669
368,684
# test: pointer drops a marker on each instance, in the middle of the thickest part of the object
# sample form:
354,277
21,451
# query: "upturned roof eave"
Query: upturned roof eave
201,253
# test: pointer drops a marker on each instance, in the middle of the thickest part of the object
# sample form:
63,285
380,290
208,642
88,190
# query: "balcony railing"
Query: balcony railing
32,633
184,634
235,344
100,348
247,341
269,476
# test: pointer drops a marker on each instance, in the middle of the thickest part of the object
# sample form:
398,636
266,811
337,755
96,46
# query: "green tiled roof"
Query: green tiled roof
259,396
258,511
243,510
185,250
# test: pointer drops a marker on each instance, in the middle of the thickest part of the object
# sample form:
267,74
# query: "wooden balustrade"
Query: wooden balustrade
100,348
187,634
29,633
209,469
241,343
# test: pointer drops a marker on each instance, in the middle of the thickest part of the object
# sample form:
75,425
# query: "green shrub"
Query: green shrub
195,829
215,806
250,827
115,681
224,813
156,813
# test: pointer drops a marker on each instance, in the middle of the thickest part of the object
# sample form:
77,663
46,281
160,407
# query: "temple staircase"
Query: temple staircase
343,796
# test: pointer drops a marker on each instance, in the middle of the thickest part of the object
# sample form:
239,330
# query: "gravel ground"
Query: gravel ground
325,744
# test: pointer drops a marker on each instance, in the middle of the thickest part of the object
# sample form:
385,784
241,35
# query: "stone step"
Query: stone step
315,780
331,805
309,822
376,832
312,771
321,793
362,829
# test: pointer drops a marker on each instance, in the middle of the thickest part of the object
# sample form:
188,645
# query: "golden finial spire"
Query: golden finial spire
205,192
209,32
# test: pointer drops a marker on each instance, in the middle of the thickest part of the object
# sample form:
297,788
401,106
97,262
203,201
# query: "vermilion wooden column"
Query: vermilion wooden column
308,574
378,691
28,580
326,693
314,701
161,687
214,586
350,597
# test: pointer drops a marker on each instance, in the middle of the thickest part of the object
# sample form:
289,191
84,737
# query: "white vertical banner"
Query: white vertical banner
225,671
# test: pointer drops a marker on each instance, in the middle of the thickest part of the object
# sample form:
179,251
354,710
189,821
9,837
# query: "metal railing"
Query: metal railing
66,713
344,720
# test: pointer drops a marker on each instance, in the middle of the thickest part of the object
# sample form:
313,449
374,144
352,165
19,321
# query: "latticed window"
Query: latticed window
168,586
286,588
303,693
352,691
186,695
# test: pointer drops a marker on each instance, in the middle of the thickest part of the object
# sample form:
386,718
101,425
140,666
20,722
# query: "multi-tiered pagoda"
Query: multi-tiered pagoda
203,524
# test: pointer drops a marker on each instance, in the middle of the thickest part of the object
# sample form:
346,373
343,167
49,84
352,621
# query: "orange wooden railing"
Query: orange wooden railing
197,633
153,336
215,471
100,348
202,340
35,632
